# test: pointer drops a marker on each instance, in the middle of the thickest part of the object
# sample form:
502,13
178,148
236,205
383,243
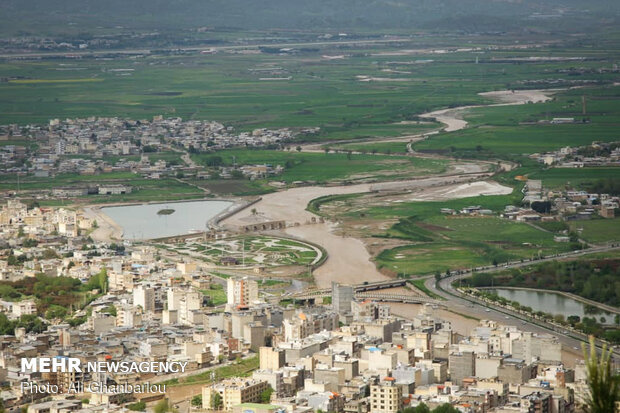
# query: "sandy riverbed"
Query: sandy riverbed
290,205
465,190
108,230
453,117
518,97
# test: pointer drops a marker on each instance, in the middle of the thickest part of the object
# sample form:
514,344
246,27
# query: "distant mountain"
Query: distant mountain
56,16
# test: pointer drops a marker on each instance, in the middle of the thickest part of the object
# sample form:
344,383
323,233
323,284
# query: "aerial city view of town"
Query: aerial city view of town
316,206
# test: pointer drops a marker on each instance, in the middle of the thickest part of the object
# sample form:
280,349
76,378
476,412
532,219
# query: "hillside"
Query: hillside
60,16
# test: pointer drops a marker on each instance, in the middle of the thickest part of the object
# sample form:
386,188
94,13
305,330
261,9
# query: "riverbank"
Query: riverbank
107,230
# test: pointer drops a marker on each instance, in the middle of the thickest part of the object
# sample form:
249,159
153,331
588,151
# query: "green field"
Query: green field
598,230
321,167
515,130
431,241
449,243
560,178
327,93
374,147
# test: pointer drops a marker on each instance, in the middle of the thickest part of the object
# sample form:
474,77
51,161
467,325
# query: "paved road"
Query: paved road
466,305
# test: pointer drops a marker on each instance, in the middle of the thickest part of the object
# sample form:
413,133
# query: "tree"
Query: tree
603,383
197,401
237,174
31,323
162,406
99,281
7,327
214,161
216,401
49,254
111,309
265,396
420,408
298,148
542,207
56,311
445,408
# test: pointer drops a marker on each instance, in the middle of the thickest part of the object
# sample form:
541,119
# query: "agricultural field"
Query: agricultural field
369,92
513,131
321,167
447,243
389,147
597,230
361,100
581,178
251,251
236,187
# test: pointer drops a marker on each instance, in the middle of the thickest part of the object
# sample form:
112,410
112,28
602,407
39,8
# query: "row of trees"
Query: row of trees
606,186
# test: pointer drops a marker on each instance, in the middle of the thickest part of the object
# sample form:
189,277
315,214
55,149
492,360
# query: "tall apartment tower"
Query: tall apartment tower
342,296
241,291
386,397
462,365
271,358
144,296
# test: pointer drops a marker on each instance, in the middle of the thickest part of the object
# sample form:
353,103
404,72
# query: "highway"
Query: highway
466,305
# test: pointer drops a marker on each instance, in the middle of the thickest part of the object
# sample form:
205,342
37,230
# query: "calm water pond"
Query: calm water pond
145,221
550,303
